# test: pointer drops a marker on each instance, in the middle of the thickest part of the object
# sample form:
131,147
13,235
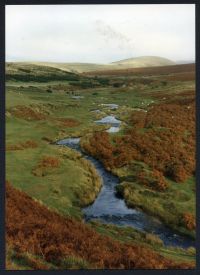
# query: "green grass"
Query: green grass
58,191
25,261
169,205
72,262
28,261
134,236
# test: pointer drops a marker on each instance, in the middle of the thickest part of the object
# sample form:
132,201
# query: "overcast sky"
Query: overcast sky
99,33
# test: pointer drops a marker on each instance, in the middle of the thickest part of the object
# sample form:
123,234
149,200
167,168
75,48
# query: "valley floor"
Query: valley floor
48,105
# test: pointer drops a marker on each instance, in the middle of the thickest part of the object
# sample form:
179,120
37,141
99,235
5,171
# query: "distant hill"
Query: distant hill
74,67
185,61
24,71
184,71
145,61
28,72
138,62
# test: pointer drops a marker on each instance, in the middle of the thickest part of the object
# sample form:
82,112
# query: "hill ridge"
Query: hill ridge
78,67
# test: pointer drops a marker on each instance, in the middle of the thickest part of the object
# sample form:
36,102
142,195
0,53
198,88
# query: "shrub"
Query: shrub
176,172
44,164
189,221
153,239
68,122
49,91
49,161
117,85
47,139
192,250
157,138
153,179
27,113
22,145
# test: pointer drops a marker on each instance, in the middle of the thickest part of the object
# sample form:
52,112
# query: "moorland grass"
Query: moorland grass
169,205
132,235
75,183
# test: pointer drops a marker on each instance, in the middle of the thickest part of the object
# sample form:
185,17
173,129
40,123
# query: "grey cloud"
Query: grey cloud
109,34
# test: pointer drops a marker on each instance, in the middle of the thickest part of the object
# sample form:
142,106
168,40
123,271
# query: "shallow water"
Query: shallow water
77,97
96,111
115,123
111,106
113,129
108,208
109,120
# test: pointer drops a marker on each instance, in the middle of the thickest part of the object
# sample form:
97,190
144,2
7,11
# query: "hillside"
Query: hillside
176,70
23,72
75,67
35,241
145,61
138,62
20,71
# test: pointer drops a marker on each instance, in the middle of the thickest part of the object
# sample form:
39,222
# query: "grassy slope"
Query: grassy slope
145,61
131,235
148,71
55,189
34,242
88,67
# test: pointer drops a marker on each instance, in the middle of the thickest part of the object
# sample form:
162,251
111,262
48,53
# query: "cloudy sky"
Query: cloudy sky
99,33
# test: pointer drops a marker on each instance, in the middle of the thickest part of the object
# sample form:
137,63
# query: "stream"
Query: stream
108,208
111,120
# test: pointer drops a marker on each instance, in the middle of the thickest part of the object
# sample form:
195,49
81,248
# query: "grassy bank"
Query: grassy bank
168,206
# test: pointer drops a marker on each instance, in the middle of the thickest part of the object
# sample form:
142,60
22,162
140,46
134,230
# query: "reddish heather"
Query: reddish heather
146,71
163,138
31,227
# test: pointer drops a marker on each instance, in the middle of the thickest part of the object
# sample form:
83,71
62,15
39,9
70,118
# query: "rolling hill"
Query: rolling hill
184,70
138,62
145,61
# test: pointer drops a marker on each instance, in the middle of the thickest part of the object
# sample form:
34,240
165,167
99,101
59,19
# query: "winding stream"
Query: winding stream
108,208
115,123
